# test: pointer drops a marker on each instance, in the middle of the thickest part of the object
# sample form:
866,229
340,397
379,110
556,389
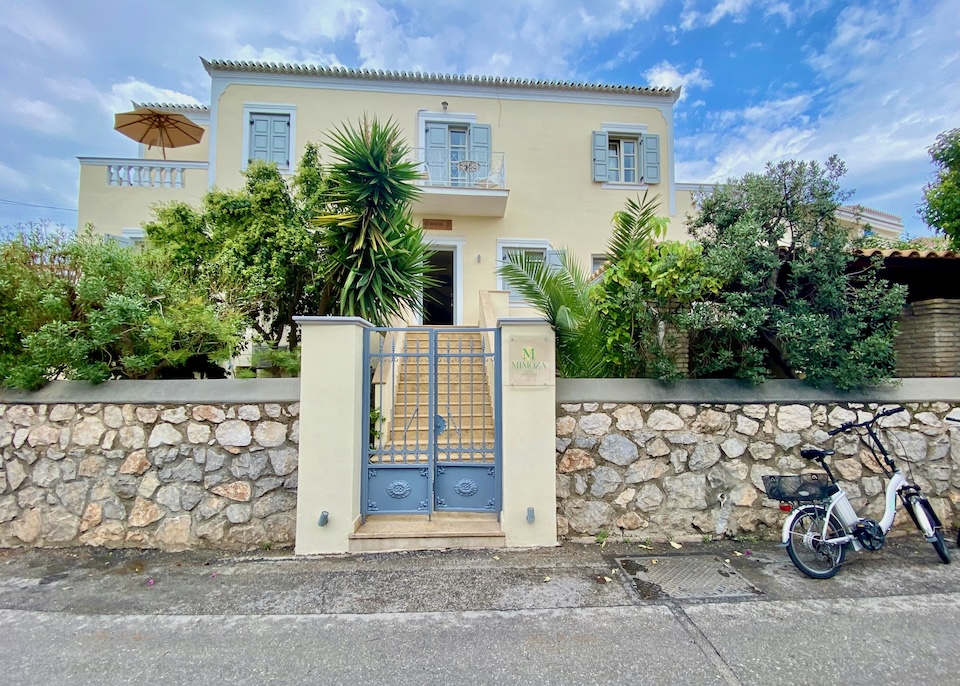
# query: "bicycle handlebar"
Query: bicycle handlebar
852,425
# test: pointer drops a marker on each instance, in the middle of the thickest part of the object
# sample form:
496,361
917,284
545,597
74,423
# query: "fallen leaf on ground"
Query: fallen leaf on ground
653,562
546,579
738,553
727,560
675,544
607,579
150,582
496,557
645,547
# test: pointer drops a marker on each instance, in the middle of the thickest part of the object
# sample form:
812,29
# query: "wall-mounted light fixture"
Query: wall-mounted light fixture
530,515
444,105
324,516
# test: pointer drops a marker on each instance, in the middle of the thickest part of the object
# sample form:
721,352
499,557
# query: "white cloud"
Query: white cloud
666,75
37,115
33,23
497,37
284,55
12,179
737,10
120,96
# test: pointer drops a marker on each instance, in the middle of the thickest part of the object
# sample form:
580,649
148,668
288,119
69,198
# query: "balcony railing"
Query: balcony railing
461,168
144,173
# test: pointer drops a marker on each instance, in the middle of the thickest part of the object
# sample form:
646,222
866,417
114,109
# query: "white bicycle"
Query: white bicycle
823,523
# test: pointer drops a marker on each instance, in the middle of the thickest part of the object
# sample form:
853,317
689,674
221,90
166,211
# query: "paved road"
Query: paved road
79,617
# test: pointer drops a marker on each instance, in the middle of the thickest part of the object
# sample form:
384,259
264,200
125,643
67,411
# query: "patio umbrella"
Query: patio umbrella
153,127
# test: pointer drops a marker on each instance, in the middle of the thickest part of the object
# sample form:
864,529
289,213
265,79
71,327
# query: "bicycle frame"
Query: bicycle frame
839,506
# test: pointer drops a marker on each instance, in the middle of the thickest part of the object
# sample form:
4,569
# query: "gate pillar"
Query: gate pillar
331,431
529,396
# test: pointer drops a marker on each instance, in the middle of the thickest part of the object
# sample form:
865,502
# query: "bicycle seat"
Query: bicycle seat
815,453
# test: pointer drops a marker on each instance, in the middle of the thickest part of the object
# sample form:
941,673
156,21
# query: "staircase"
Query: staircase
465,403
464,399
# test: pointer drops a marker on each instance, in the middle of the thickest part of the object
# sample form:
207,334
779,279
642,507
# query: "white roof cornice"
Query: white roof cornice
342,78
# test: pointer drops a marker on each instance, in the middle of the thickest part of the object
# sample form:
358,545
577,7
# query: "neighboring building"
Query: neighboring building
508,164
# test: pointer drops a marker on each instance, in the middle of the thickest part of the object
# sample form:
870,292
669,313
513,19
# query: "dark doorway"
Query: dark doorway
438,300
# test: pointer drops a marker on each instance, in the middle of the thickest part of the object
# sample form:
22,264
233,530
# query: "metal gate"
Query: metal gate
433,440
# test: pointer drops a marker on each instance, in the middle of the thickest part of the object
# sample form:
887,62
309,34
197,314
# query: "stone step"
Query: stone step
466,530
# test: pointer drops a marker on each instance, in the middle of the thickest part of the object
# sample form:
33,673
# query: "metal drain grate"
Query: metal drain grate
686,577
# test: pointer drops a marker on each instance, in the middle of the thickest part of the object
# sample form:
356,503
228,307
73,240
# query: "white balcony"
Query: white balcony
461,182
119,193
143,173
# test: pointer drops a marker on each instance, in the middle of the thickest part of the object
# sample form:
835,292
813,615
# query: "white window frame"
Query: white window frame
425,117
597,260
518,244
251,108
620,131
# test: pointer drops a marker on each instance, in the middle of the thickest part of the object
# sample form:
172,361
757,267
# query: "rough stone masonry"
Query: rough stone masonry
687,471
170,477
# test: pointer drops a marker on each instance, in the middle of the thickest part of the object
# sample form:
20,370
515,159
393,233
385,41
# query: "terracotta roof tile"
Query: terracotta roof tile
419,77
910,252
174,106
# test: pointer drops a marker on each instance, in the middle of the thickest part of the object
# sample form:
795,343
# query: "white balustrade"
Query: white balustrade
151,175
461,168
144,173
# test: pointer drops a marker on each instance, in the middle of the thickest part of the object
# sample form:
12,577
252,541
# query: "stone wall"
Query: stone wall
682,471
929,340
148,475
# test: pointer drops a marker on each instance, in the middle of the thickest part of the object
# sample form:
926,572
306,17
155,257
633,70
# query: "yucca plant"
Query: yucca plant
375,262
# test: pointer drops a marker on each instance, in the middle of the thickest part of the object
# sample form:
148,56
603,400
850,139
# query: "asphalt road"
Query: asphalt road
82,617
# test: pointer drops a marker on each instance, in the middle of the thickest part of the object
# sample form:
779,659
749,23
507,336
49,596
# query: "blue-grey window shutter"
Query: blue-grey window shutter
651,158
280,140
438,154
259,137
600,143
555,260
480,149
123,241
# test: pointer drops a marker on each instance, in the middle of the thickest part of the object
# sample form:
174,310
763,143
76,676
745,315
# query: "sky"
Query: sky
763,80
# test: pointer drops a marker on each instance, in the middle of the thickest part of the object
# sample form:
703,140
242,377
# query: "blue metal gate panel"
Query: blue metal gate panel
433,439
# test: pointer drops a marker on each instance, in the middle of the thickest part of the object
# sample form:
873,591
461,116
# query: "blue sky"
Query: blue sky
874,82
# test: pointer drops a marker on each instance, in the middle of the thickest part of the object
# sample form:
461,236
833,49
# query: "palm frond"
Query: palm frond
635,227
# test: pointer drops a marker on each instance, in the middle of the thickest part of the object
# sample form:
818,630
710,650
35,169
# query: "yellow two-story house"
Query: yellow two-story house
507,164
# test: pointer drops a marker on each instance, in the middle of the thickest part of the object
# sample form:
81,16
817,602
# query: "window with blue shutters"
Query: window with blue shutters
269,138
626,158
457,154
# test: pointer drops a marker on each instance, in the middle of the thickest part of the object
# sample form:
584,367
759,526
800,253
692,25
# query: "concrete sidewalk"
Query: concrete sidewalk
96,581
563,615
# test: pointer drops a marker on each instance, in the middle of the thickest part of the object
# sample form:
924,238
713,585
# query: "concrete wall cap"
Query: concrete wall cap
945,389
178,392
359,321
521,321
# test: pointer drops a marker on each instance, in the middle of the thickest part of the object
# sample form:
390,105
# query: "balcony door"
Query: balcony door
457,155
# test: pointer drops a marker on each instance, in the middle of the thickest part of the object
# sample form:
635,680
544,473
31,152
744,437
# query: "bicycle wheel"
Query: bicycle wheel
924,516
806,548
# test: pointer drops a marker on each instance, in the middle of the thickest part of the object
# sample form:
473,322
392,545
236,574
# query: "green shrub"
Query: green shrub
86,308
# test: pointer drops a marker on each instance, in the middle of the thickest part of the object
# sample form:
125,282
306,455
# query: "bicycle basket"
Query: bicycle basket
805,487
